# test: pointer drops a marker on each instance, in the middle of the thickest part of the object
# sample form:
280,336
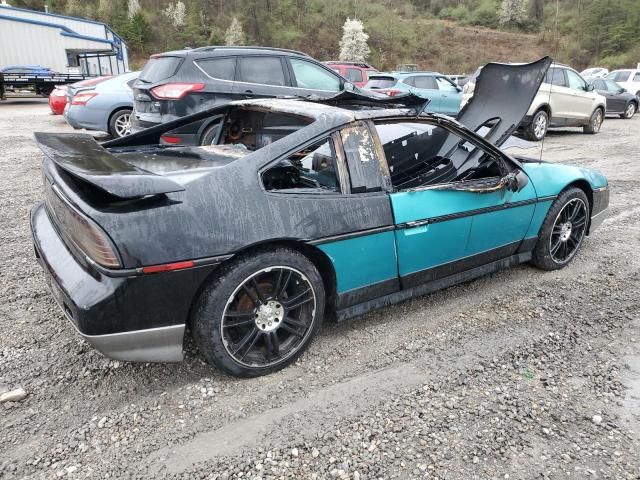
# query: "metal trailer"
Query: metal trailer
41,85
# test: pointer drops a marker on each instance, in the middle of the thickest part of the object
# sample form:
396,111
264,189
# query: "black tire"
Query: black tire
595,121
120,123
219,310
538,127
630,110
209,135
543,256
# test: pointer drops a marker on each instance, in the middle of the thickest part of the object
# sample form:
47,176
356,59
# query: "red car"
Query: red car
58,97
357,73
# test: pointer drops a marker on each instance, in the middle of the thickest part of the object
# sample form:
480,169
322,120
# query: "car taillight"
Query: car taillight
171,139
85,234
391,92
175,91
82,98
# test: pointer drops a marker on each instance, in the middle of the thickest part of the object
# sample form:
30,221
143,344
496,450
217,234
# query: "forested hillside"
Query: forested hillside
448,35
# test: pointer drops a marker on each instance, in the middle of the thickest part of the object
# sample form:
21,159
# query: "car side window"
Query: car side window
312,76
354,75
576,82
365,167
262,70
611,85
636,77
599,85
421,154
219,68
555,76
445,85
312,168
425,82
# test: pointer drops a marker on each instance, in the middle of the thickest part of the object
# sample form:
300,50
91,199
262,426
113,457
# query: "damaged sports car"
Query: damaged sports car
299,211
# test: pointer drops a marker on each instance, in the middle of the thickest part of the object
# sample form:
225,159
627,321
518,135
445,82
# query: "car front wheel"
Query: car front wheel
562,231
538,127
260,313
595,122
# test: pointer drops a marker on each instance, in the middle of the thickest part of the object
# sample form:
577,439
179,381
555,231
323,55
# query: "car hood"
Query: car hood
503,94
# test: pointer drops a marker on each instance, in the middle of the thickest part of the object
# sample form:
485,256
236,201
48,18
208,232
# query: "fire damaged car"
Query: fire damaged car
298,212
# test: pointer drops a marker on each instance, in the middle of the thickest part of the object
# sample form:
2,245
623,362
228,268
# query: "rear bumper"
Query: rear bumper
102,308
85,117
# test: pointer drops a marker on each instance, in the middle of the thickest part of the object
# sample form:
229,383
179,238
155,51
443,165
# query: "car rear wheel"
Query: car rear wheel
260,313
563,230
630,111
595,122
538,127
120,123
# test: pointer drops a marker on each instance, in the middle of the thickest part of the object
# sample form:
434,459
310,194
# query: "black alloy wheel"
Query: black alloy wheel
568,231
563,230
259,312
268,316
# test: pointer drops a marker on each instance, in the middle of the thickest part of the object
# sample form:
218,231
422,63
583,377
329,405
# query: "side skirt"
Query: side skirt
432,286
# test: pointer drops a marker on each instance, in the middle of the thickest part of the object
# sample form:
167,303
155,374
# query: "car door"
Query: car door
427,87
601,88
559,95
221,71
450,215
581,98
615,102
260,76
450,96
310,78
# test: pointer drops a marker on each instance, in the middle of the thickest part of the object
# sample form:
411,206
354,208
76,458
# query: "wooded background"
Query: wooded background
452,36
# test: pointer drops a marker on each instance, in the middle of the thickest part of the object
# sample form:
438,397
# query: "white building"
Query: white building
64,44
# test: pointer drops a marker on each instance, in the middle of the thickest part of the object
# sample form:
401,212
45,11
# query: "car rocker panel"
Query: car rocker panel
138,241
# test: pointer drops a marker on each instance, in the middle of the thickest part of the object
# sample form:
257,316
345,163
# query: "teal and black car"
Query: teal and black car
300,211
444,95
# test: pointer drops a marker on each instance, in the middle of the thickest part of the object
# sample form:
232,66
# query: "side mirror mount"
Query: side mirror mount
517,181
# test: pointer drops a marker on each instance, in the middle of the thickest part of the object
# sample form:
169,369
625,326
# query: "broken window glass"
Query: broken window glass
311,168
422,154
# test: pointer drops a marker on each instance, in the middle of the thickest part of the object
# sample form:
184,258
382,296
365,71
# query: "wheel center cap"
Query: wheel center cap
269,315
565,231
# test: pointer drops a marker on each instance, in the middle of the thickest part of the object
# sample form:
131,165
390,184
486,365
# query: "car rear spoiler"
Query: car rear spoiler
82,157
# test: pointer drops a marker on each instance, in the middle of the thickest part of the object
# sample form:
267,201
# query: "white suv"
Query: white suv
564,99
627,79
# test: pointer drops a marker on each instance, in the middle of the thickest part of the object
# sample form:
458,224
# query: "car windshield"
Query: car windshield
159,68
378,81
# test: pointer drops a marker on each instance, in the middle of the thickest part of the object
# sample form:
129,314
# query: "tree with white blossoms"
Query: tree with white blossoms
133,7
512,12
234,35
353,46
176,14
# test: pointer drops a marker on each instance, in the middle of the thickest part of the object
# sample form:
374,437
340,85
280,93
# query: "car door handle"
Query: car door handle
248,93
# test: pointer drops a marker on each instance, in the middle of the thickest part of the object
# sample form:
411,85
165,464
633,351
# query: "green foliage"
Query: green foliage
579,32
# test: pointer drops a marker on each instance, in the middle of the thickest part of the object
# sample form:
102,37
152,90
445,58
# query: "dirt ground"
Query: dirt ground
523,374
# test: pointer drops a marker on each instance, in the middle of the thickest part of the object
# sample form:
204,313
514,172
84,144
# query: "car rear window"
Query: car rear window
380,82
353,75
159,68
221,68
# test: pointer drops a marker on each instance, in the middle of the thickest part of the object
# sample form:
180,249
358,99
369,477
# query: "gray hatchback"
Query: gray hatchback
180,83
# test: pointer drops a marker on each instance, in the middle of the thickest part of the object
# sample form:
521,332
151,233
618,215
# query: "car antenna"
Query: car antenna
557,43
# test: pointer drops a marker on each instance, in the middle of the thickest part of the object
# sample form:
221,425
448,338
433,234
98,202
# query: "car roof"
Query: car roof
232,49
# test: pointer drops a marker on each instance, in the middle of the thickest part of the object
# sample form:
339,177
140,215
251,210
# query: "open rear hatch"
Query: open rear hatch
82,157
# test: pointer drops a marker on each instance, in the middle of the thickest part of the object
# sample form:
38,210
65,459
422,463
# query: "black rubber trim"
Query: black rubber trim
458,266
347,236
359,295
362,308
469,213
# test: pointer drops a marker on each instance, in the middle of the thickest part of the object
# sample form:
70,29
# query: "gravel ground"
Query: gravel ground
522,374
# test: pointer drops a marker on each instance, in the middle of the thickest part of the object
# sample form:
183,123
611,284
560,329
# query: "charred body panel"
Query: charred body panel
377,243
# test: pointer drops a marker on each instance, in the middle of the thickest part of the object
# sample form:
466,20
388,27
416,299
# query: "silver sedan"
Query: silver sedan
106,107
